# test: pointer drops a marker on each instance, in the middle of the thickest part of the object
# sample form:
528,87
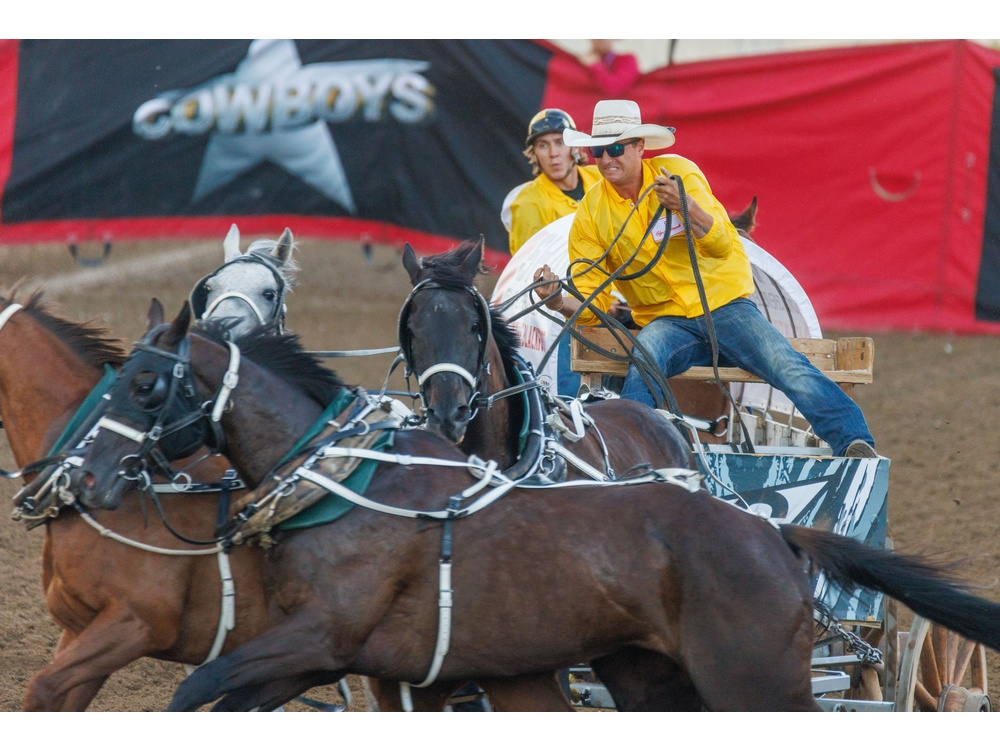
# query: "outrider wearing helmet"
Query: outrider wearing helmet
548,121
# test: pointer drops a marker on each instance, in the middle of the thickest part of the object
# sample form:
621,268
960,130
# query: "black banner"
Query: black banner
422,134
988,282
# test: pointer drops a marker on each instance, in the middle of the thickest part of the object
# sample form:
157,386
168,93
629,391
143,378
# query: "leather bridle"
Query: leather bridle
476,379
199,294
197,423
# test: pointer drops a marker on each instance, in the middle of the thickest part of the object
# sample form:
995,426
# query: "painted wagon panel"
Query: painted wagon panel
844,495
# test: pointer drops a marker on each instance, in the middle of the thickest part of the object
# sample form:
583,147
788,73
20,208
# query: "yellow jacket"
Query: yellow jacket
540,203
668,288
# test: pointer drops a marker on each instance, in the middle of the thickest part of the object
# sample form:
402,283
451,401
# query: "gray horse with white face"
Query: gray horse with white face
250,287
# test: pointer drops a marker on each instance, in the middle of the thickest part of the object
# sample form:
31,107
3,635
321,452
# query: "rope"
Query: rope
109,534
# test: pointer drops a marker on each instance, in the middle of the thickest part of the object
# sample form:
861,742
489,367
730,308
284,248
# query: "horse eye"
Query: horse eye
269,295
143,384
148,390
475,327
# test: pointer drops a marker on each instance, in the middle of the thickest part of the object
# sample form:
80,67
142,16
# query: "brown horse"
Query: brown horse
718,594
447,325
463,353
115,603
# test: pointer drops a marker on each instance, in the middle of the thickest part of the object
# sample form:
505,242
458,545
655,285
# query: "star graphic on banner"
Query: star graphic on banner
308,152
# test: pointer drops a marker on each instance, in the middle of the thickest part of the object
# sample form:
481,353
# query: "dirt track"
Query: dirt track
933,410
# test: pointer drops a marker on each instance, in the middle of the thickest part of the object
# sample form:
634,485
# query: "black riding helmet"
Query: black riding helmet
548,121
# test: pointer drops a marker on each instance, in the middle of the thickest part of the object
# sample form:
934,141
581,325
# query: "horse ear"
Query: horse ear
231,245
411,264
474,260
283,249
155,316
180,326
746,220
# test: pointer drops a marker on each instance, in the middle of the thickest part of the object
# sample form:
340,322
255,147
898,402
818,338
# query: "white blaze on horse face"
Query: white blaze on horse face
254,281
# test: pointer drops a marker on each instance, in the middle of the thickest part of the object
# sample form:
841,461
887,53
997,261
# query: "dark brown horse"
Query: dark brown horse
115,603
718,594
462,352
447,325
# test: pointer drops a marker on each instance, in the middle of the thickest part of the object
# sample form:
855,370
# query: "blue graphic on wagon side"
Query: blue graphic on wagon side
844,495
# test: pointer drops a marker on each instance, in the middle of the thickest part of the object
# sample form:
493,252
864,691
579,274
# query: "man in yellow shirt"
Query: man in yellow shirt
561,177
665,300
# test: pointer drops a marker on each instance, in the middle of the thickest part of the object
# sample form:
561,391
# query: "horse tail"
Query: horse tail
929,589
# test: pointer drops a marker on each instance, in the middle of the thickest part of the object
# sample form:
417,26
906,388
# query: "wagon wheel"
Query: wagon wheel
941,671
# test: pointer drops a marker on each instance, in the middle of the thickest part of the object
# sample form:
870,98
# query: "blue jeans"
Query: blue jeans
568,384
747,339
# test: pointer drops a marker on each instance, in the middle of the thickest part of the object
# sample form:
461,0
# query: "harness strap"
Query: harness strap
107,423
354,352
447,367
580,421
106,532
444,625
198,488
350,495
556,447
7,313
445,591
239,296
229,382
227,617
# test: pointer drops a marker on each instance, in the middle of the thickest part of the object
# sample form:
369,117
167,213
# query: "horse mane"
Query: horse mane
89,340
447,269
506,338
283,355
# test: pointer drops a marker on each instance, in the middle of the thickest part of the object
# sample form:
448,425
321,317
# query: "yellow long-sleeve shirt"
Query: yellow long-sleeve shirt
669,288
540,202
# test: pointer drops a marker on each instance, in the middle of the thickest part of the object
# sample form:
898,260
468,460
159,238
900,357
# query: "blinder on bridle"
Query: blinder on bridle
181,423
474,379
199,295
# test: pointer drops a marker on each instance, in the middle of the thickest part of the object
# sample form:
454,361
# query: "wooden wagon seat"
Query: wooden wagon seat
847,361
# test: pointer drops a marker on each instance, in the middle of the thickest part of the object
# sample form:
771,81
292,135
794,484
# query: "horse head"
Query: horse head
444,329
173,396
154,408
249,287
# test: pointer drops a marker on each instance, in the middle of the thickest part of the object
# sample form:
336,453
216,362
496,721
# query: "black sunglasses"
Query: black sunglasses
614,150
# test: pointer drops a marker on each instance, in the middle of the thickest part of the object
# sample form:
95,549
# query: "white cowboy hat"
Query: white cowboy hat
619,120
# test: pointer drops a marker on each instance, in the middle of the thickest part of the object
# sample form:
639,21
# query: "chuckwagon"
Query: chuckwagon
862,661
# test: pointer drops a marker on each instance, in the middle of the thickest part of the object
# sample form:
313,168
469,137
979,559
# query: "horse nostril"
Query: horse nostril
89,481
462,413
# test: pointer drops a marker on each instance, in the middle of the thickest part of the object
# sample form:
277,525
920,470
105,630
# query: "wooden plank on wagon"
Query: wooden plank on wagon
851,365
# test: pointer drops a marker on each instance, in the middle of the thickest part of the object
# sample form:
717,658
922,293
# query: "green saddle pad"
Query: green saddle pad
333,507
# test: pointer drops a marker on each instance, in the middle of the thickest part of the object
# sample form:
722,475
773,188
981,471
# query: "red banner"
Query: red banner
869,164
